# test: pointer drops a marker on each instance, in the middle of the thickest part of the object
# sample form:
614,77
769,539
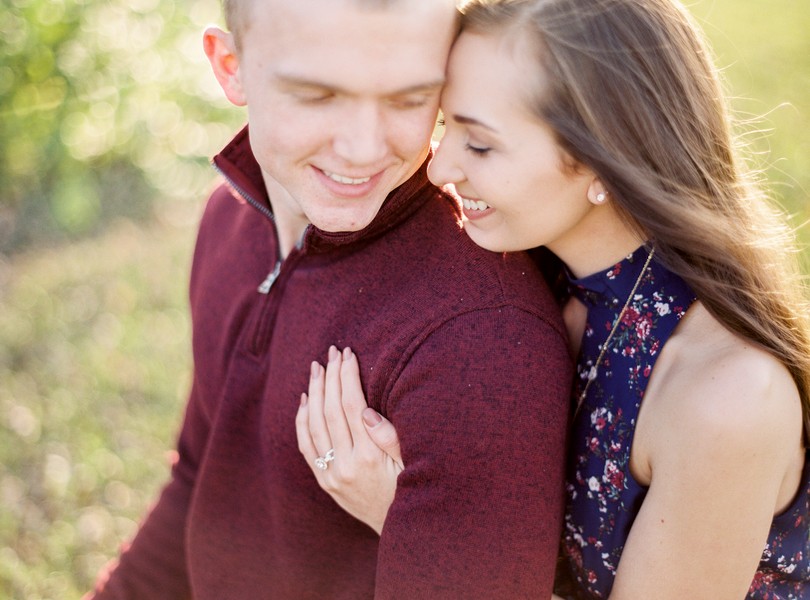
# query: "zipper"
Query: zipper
268,282
266,320
266,285
250,200
272,276
272,288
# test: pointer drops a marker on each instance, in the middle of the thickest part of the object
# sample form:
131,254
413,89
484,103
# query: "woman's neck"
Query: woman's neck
600,242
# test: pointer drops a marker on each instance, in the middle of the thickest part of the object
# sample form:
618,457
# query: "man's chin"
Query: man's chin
342,223
338,227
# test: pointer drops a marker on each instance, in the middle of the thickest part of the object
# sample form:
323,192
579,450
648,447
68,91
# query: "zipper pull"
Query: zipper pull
268,282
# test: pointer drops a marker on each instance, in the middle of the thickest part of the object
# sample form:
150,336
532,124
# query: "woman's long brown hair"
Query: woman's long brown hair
631,92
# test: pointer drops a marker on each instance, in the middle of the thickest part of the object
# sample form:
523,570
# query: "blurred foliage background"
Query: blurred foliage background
106,107
108,114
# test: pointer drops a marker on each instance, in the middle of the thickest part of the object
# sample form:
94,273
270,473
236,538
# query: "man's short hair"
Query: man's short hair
235,18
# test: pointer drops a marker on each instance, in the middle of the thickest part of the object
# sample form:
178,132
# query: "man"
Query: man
328,232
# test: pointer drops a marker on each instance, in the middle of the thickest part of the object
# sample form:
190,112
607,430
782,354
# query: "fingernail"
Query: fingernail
347,353
303,399
315,369
333,353
371,417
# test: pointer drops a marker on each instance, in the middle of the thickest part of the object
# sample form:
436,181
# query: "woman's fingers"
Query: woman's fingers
321,425
316,422
333,406
383,434
353,401
361,474
305,444
370,430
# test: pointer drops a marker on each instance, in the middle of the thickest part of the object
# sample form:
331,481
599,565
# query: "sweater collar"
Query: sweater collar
238,165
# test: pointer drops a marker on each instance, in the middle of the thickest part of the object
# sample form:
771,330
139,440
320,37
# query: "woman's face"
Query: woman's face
502,160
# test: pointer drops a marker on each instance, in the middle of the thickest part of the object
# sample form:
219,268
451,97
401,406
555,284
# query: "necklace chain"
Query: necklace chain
595,368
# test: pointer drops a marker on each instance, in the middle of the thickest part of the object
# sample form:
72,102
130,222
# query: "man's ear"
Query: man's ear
220,48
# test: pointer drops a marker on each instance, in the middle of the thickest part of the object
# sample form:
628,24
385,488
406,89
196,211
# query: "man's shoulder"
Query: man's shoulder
222,198
447,257
228,214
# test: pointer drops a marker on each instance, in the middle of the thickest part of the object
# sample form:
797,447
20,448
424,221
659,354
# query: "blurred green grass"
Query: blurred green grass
93,371
94,335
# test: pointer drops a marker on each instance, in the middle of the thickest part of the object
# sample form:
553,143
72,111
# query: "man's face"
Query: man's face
342,101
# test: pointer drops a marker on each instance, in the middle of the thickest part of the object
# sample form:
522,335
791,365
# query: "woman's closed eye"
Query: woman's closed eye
477,150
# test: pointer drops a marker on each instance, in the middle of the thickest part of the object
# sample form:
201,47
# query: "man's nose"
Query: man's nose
361,138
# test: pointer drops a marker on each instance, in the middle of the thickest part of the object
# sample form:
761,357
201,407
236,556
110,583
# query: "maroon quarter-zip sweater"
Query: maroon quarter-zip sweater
462,349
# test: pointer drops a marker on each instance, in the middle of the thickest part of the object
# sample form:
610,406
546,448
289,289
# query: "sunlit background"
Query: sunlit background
108,114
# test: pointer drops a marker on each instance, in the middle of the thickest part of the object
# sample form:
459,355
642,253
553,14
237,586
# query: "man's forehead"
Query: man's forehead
364,5
340,40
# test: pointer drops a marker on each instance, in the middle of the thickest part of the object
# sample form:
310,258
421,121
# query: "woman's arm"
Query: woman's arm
362,476
722,440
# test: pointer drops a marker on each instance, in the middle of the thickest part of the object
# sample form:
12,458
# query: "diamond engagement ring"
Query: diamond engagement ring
322,462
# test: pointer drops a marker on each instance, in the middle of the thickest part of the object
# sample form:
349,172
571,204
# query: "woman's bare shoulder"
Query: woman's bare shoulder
725,389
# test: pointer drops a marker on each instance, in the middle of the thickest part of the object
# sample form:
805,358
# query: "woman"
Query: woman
596,128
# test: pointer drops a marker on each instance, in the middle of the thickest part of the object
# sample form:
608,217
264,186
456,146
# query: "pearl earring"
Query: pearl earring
601,197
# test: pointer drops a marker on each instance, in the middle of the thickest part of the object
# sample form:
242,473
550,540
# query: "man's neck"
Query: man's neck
290,222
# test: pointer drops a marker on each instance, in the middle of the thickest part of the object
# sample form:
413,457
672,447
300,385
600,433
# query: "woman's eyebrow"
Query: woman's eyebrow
464,120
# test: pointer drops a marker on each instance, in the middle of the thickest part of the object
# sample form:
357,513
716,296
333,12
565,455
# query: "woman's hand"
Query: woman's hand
352,450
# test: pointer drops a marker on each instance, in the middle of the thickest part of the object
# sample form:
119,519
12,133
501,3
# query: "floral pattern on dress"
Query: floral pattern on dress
603,498
784,570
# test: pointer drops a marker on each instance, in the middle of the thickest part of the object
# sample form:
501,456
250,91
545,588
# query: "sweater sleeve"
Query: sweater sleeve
154,564
481,411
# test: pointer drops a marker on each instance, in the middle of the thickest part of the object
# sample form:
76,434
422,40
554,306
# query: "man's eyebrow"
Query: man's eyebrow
302,82
420,88
463,120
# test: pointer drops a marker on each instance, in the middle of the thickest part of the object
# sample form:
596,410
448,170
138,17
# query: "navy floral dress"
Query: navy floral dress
603,498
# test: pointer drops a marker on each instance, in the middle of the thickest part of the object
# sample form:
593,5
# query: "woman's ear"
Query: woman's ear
220,48
597,193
